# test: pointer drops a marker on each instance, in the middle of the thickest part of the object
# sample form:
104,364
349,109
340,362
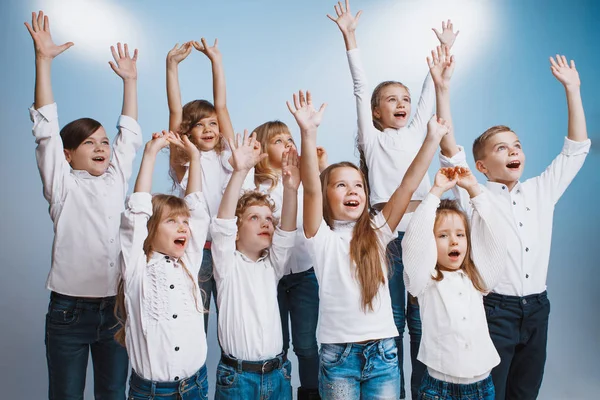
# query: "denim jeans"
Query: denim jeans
298,296
434,389
208,286
519,329
74,326
401,310
193,388
233,383
359,371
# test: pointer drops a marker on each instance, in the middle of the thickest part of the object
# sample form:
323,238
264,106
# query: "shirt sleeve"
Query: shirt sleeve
425,107
488,244
384,233
460,194
199,223
419,249
556,178
125,147
134,231
366,131
54,168
281,250
223,233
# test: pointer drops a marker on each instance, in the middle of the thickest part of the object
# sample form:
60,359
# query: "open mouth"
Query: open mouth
180,242
516,164
99,159
352,203
400,114
208,138
454,255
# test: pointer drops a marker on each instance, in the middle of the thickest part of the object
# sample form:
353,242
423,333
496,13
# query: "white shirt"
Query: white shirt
388,154
300,260
85,209
249,321
341,317
165,322
455,340
526,216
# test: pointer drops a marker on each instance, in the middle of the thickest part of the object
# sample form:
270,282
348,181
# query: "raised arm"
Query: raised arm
569,77
308,120
347,23
125,67
447,36
219,88
45,51
143,182
396,206
194,183
290,169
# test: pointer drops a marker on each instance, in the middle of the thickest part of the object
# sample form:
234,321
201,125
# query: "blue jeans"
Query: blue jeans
298,296
401,310
193,388
434,389
74,326
359,371
519,329
208,286
234,383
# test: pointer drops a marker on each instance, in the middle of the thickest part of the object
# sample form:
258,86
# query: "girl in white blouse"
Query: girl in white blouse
162,239
449,266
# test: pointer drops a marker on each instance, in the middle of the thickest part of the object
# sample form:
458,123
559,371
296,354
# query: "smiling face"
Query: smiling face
255,230
92,155
346,196
276,146
503,159
393,106
451,240
205,133
172,234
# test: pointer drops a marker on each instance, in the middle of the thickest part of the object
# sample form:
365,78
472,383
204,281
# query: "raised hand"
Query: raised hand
437,128
345,21
290,168
39,30
243,152
212,52
124,65
184,143
565,73
447,37
159,141
322,157
467,181
445,179
179,53
305,114
441,64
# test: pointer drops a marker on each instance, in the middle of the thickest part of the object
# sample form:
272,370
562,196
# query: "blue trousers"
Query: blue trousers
74,326
434,389
298,296
193,388
405,314
208,286
519,329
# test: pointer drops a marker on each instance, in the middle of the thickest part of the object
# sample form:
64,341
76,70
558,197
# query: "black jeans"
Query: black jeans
519,329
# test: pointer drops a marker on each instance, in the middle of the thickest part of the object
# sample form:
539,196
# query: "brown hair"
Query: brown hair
479,143
253,198
161,205
263,171
75,132
446,208
366,252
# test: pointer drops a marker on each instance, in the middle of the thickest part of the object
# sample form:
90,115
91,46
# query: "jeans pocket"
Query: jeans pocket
286,370
62,314
490,310
225,375
389,352
332,355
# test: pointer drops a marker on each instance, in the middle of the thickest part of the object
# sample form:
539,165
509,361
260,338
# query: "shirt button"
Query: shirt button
167,257
520,224
109,217
172,286
169,261
526,248
112,240
112,264
524,301
464,318
174,316
526,275
176,378
503,187
176,348
514,203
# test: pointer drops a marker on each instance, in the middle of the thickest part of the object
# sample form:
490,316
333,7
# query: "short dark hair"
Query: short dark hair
75,132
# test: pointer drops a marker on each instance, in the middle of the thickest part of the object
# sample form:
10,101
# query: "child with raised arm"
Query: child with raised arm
250,253
388,142
449,266
298,290
356,326
86,191
162,323
518,308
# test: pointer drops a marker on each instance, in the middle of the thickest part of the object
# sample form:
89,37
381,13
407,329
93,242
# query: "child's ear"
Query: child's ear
480,165
67,155
376,113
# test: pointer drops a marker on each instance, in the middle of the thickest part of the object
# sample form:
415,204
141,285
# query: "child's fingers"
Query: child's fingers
553,63
296,102
573,64
347,5
564,60
127,51
358,14
40,20
204,45
113,66
29,28
135,55
120,50
114,53
34,23
302,98
443,25
328,16
308,98
289,106
337,10
216,42
322,108
46,24
437,33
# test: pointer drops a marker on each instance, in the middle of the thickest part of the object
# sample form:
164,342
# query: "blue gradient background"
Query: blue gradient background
271,49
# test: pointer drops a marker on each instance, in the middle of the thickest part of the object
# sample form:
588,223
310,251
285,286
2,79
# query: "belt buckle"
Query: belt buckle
266,365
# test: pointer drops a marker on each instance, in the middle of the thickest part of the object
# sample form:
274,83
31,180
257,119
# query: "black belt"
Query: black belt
261,367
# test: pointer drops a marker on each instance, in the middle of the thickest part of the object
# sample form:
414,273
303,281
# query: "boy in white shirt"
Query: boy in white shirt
249,259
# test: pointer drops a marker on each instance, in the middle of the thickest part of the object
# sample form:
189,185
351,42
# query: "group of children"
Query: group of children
276,237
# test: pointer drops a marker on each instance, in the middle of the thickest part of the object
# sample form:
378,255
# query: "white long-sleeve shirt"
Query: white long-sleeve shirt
85,209
389,153
165,322
249,320
527,213
456,340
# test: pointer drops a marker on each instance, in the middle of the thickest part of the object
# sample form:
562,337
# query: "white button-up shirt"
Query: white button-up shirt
388,154
527,213
165,322
455,341
249,321
341,317
85,209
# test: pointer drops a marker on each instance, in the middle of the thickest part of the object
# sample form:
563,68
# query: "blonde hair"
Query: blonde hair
446,208
263,171
479,143
366,251
163,206
253,198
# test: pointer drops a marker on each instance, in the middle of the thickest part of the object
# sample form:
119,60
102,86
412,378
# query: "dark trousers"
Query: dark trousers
74,326
208,286
519,329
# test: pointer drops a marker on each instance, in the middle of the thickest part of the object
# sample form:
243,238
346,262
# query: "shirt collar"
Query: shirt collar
156,257
264,255
80,173
343,226
501,188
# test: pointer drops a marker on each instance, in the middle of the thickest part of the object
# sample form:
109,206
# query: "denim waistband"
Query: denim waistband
179,385
60,296
262,366
502,298
457,389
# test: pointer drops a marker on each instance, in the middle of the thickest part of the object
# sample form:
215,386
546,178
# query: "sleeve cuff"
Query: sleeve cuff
194,200
225,227
382,224
479,201
129,123
48,112
284,238
431,201
459,159
140,202
573,148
